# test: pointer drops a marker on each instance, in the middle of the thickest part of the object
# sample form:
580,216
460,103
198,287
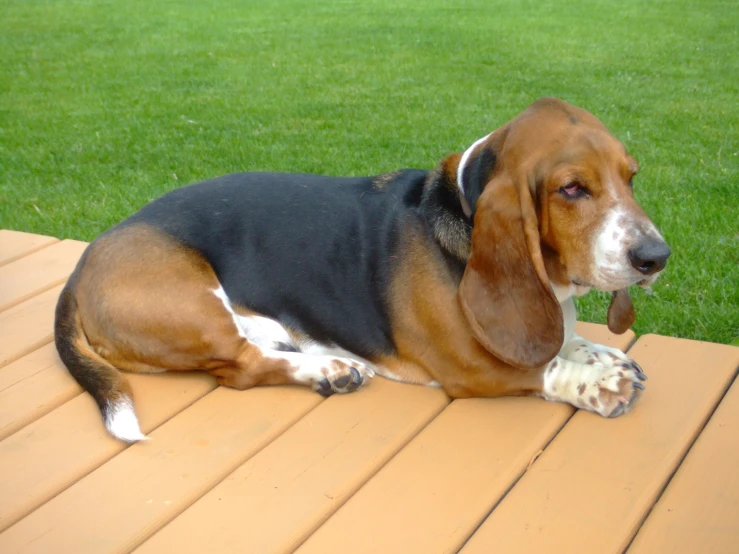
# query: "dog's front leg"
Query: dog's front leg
591,376
608,389
583,351
580,350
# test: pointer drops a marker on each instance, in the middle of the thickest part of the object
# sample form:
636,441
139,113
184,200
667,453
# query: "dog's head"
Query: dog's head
552,200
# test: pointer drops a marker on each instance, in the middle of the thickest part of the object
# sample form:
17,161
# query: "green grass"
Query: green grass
105,105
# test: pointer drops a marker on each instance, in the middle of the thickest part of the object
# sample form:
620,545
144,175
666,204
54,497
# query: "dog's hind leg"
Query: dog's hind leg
142,302
271,356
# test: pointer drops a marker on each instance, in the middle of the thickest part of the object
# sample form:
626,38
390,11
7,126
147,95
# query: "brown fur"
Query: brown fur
432,336
381,182
165,312
525,234
505,293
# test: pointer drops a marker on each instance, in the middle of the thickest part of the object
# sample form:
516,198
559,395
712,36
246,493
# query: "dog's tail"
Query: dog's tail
104,382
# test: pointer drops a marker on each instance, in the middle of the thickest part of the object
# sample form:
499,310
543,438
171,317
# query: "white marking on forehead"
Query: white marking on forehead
464,158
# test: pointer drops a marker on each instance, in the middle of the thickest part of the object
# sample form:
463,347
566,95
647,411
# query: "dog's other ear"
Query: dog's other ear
475,175
621,313
476,167
505,292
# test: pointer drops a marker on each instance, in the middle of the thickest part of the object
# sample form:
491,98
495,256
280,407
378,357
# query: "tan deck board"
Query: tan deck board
38,271
45,457
596,481
393,468
121,503
36,383
278,497
16,244
27,326
31,387
436,491
699,510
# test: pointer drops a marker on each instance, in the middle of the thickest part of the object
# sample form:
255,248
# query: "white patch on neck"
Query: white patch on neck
463,162
565,292
562,292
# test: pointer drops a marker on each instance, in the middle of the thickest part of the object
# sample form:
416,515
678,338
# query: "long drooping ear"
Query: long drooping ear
505,292
621,313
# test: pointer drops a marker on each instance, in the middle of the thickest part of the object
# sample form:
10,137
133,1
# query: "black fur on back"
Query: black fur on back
313,252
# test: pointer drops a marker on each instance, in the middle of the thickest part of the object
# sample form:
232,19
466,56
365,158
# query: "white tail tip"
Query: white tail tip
122,423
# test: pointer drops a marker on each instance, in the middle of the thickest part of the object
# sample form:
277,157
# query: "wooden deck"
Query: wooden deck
391,468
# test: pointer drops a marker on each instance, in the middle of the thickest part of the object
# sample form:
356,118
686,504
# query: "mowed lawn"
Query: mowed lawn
105,105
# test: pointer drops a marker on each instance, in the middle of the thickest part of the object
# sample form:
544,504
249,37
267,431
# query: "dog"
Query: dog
461,277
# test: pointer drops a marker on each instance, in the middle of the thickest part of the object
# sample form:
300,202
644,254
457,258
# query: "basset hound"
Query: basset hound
461,277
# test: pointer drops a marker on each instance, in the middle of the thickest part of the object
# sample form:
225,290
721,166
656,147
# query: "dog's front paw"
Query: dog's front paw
609,389
613,392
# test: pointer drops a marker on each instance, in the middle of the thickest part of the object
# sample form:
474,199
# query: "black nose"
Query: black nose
649,256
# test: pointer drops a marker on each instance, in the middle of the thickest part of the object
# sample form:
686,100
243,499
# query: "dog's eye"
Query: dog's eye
573,190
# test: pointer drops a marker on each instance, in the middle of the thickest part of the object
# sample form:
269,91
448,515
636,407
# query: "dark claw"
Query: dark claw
342,381
356,380
618,410
636,367
324,388
642,376
621,408
638,386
